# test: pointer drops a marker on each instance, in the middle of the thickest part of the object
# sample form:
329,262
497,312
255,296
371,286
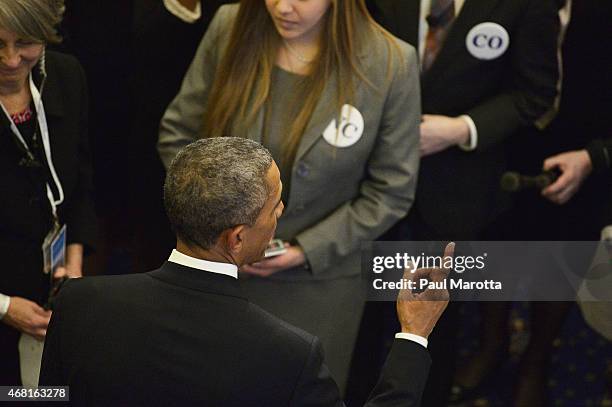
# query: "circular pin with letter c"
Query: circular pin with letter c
487,41
350,129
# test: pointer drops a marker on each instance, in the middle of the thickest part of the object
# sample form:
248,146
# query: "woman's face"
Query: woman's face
298,19
17,57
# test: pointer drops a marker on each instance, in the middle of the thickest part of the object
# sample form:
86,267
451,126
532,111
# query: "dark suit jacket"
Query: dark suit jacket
457,191
582,122
586,103
25,215
182,336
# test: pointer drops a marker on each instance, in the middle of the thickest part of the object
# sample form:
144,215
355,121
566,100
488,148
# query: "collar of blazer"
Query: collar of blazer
320,119
322,114
194,279
51,96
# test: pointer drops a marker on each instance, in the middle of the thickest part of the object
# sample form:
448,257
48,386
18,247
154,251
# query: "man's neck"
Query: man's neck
212,254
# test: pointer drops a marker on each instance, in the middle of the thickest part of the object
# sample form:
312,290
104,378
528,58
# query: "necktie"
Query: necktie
440,19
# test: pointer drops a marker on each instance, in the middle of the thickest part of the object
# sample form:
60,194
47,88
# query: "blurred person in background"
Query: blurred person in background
45,175
171,29
135,54
336,100
577,146
488,70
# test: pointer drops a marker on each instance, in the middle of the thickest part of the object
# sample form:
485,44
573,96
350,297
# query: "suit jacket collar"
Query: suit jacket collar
5,123
51,96
472,13
320,119
195,279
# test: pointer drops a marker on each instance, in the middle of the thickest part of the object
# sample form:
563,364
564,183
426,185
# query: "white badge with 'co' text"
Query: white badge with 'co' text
487,41
349,131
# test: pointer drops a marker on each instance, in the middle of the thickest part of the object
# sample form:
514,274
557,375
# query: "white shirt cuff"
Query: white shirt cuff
471,145
5,301
412,337
183,12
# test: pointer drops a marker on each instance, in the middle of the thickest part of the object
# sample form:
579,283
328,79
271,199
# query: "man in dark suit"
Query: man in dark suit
489,68
185,335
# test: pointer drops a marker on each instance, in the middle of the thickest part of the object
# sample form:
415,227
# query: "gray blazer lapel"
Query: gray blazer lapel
473,12
323,114
255,132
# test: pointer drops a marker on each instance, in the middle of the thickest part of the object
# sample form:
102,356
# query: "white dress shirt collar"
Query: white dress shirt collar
182,12
205,265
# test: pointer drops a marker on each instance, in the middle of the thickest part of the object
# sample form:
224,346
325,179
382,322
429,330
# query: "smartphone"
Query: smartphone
275,248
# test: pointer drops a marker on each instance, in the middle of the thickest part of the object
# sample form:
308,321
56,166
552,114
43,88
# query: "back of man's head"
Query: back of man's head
215,184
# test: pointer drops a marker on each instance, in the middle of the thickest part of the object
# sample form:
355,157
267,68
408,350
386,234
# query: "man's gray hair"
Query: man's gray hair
215,184
32,19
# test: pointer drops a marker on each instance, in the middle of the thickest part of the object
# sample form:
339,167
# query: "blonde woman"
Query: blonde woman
45,175
336,100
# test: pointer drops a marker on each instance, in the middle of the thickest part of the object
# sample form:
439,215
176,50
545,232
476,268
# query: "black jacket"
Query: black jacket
25,215
182,336
457,190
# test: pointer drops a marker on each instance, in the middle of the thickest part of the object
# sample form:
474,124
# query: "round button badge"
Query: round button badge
350,129
487,41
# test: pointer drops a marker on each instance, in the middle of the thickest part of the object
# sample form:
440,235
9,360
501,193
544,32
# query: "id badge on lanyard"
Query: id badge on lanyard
54,244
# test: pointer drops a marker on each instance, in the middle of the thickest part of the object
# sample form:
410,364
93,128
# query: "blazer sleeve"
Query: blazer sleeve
400,384
315,386
182,121
534,75
80,214
387,191
600,152
403,377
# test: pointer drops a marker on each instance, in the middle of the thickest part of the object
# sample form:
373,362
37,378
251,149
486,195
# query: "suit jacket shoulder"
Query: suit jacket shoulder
65,87
175,339
142,329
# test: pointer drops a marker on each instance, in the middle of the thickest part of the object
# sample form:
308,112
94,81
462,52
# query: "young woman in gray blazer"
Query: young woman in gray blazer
336,100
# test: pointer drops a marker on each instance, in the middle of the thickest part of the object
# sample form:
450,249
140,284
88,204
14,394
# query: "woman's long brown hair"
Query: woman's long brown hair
243,78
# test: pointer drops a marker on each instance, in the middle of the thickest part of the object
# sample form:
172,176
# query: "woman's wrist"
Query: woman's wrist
294,242
74,260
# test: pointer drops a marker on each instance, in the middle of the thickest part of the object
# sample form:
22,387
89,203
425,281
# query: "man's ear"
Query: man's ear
234,238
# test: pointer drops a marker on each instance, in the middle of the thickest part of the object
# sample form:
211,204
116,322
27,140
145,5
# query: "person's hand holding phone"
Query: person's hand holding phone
293,256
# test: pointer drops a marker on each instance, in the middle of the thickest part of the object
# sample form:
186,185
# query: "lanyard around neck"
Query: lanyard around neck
44,133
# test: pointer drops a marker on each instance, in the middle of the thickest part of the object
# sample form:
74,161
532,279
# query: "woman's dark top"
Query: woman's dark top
25,213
